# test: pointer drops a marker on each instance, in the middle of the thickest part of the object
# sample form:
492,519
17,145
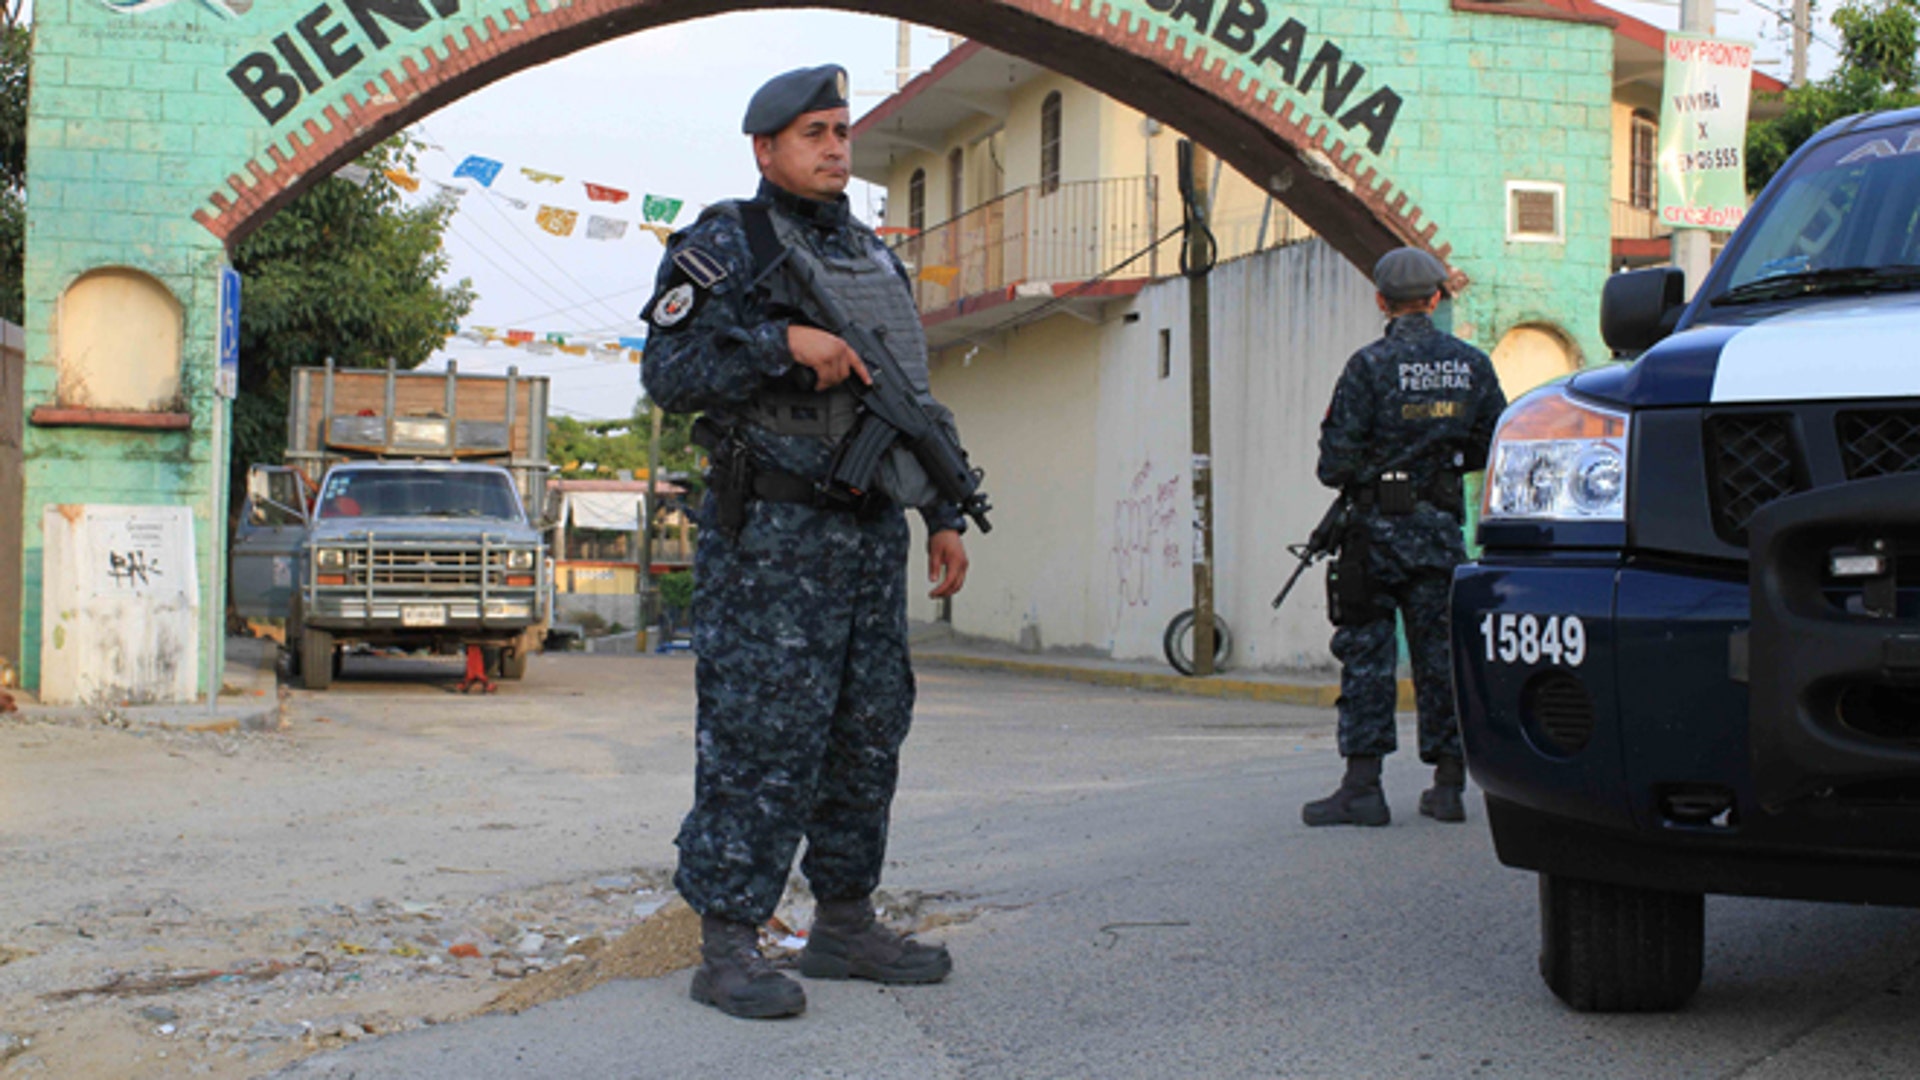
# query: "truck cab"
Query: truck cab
409,525
1688,659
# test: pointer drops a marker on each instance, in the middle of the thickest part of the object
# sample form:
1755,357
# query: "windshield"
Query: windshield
1850,204
419,493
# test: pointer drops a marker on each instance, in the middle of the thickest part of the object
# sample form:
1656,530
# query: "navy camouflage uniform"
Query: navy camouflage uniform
804,688
1425,403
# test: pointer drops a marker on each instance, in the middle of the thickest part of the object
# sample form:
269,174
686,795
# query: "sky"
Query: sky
659,112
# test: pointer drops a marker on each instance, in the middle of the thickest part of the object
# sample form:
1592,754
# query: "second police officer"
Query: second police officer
1411,414
803,683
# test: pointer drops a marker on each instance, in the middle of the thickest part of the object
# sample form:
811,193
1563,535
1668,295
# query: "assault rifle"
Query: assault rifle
890,412
1321,543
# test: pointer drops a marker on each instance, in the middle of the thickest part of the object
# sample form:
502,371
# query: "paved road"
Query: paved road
1148,906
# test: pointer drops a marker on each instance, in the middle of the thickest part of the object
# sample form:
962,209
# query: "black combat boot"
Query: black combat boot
1442,801
734,977
1358,800
847,942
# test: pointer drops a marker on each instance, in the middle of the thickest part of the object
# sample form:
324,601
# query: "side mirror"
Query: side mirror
1640,307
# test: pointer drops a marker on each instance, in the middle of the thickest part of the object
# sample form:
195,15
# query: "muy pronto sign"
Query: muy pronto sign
1703,132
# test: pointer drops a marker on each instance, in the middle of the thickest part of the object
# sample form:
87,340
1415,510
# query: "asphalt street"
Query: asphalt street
1141,901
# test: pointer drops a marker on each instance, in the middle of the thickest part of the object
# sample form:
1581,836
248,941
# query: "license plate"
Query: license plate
423,615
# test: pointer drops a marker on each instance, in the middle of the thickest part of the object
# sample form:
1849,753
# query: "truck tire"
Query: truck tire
513,664
1615,948
316,658
1177,642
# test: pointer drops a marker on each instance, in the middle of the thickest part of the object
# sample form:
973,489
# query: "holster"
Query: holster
1351,600
729,479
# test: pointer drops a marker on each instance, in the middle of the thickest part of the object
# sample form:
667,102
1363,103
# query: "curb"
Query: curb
1312,695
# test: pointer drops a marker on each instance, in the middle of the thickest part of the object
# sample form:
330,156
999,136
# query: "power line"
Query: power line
584,289
488,259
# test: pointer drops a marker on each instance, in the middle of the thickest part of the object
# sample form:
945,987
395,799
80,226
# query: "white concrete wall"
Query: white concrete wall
1088,459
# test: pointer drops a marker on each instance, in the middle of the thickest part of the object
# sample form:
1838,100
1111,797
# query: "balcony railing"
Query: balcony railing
1632,222
1075,232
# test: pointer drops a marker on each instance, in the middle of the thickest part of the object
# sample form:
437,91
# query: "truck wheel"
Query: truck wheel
1614,948
513,664
316,659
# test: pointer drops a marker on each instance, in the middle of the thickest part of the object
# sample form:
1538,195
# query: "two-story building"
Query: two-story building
1040,220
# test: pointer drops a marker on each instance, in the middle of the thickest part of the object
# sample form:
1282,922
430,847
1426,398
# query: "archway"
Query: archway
170,128
1301,111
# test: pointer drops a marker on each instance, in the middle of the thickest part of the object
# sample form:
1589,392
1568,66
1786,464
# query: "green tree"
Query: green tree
343,272
1879,69
581,449
16,44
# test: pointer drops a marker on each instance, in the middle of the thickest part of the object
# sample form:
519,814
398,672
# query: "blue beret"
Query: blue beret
1408,274
788,96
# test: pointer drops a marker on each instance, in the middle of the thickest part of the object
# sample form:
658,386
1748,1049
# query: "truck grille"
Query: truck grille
1752,459
422,568
1879,442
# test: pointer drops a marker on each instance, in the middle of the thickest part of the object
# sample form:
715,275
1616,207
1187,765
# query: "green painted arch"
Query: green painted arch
1271,96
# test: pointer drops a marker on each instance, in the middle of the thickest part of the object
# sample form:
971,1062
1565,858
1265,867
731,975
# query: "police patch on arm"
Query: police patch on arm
695,275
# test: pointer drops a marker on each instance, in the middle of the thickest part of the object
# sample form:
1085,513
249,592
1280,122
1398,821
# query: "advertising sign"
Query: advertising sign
1703,132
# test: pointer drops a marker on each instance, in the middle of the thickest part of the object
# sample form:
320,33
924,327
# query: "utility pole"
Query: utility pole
649,594
1693,248
1802,40
1196,262
903,56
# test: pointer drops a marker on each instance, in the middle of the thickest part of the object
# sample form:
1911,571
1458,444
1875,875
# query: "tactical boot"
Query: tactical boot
847,942
734,977
1358,800
1442,801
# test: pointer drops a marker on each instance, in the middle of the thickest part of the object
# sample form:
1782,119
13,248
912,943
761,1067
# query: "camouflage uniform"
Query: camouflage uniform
804,688
1422,402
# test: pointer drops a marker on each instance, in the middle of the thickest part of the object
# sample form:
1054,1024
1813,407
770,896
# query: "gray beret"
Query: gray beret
1408,274
796,93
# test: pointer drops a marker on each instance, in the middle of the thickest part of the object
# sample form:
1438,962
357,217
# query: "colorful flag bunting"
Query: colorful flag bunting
539,177
574,350
357,175
519,337
601,228
483,170
402,180
557,337
635,343
660,232
517,204
557,221
541,348
660,208
606,194
942,276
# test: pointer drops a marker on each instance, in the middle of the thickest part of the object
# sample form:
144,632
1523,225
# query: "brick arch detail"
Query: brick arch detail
1178,77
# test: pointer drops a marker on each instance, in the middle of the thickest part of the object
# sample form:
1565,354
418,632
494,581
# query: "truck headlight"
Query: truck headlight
519,560
1556,458
330,558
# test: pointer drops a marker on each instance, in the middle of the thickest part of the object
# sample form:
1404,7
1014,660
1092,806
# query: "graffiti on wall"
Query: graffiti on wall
1146,535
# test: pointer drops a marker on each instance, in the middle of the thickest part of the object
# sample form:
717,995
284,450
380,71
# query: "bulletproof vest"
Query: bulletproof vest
869,288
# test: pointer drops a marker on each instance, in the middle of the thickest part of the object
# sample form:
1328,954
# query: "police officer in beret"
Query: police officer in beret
804,688
1411,414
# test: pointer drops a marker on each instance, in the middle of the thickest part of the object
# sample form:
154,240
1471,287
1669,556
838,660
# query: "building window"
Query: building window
1050,144
1166,353
1642,181
917,202
956,182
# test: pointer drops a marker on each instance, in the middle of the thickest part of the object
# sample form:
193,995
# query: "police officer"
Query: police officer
1411,414
804,689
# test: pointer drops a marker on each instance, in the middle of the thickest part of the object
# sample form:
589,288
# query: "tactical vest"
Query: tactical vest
869,288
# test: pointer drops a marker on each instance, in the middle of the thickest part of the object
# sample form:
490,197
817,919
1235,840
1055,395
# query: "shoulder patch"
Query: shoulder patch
702,269
674,306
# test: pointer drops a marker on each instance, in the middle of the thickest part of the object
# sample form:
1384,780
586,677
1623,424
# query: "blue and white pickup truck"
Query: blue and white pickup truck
1688,660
